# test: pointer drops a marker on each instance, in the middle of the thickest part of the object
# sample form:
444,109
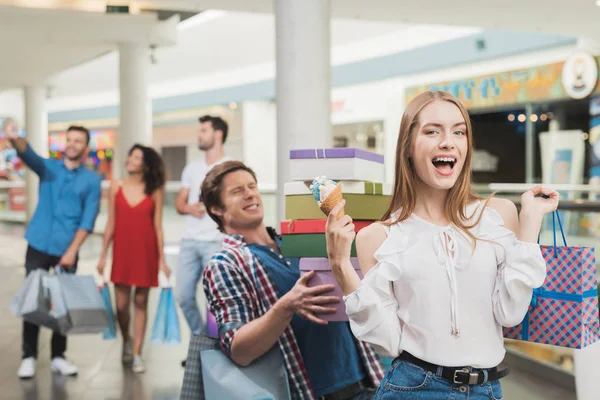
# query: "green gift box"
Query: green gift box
375,188
359,206
348,187
310,245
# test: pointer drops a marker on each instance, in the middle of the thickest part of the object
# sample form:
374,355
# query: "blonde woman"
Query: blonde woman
445,270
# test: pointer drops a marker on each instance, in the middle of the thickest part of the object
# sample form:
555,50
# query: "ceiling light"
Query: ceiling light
533,117
598,3
544,117
511,117
522,117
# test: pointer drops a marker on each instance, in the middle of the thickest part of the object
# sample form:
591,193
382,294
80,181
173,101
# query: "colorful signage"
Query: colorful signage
100,156
530,85
99,140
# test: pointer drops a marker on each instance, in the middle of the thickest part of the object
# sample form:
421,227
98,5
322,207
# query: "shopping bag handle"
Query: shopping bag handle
163,281
555,217
58,269
562,232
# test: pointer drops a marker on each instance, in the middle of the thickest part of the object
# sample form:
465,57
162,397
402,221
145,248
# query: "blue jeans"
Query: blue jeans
367,394
193,257
405,380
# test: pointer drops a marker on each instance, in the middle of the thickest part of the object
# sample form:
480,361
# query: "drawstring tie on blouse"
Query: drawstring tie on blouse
446,248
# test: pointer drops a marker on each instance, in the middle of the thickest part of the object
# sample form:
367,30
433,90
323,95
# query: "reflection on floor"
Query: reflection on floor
101,375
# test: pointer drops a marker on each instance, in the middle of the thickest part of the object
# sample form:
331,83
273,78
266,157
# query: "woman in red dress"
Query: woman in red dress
135,227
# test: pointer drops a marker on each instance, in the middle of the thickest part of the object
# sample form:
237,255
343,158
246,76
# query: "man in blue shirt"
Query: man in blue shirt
69,200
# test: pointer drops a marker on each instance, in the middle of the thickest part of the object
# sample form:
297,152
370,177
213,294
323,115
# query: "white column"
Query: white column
303,82
36,129
135,105
587,374
259,131
394,109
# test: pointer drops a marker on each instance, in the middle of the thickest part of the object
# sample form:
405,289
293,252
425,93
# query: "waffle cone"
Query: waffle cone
330,201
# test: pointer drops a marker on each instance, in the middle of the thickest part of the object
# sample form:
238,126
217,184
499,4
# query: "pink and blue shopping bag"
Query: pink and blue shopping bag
564,310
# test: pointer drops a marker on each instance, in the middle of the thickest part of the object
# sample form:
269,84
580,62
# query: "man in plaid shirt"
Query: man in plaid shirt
259,299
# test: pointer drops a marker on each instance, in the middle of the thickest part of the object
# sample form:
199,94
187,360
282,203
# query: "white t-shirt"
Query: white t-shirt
204,228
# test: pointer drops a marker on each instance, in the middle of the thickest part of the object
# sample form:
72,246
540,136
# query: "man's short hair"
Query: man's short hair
212,187
80,129
218,124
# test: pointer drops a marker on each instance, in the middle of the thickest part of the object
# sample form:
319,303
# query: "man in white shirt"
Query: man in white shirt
201,237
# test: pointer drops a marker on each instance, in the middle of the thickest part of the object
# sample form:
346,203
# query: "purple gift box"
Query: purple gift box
340,164
339,152
211,325
324,276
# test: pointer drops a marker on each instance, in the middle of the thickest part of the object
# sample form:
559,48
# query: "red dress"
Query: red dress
135,247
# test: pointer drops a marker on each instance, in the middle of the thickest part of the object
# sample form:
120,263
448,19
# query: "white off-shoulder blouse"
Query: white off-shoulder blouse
431,295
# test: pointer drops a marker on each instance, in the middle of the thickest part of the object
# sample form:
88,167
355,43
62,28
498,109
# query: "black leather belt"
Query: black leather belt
459,375
349,391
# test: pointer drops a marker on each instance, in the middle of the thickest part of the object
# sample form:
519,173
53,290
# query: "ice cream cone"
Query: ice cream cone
330,201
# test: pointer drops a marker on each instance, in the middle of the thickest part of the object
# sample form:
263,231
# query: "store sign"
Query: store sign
537,84
580,75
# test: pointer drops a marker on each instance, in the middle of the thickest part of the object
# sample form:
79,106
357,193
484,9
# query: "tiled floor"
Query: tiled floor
101,376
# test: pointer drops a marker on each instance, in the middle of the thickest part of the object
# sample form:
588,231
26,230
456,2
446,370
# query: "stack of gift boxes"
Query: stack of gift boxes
361,174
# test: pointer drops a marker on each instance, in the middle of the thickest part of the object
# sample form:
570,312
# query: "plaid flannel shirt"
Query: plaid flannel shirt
235,298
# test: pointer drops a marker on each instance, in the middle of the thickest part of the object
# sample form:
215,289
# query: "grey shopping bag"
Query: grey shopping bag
58,306
32,302
83,302
193,385
264,379
22,298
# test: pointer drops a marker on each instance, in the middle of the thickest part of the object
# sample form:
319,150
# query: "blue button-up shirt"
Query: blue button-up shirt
69,200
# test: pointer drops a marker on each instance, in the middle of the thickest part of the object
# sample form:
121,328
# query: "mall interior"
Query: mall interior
285,75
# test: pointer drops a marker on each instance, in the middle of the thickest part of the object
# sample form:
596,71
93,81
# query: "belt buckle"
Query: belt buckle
473,376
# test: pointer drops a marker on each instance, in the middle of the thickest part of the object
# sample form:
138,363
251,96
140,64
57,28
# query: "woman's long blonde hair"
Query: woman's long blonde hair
404,196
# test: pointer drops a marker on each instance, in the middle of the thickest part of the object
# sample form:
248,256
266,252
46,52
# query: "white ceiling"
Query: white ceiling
570,17
37,43
43,42
228,43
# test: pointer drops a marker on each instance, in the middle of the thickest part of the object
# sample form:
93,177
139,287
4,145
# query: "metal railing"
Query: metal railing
513,191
